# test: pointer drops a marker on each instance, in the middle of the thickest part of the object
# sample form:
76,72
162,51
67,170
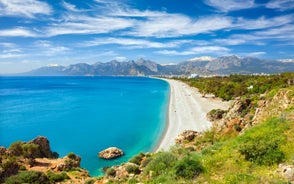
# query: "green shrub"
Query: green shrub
137,159
161,163
188,168
71,155
15,148
110,172
90,181
146,161
57,177
262,152
33,177
8,167
31,150
133,169
262,144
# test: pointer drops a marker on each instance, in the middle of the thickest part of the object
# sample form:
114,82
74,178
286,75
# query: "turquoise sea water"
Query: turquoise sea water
85,114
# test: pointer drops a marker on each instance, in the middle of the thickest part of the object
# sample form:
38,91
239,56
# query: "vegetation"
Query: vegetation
133,169
234,86
33,177
57,177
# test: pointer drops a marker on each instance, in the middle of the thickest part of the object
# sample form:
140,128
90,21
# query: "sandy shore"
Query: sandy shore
187,111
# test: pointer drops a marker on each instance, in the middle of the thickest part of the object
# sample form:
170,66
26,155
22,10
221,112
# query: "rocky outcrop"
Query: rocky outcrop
275,106
110,153
44,147
187,135
215,114
234,119
287,171
69,162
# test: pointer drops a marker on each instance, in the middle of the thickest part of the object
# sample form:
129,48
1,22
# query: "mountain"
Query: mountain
247,65
202,66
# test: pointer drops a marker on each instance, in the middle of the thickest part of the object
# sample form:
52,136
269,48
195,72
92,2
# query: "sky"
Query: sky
35,33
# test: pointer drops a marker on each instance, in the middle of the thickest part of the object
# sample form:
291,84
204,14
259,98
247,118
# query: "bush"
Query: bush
90,181
71,155
31,150
133,169
188,168
146,161
161,163
137,159
262,144
57,177
33,177
262,152
8,167
110,172
15,148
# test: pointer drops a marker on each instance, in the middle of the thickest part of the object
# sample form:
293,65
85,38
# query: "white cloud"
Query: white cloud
263,22
134,43
71,7
82,24
230,5
175,25
281,4
120,58
27,8
8,45
197,50
254,54
229,41
17,32
47,48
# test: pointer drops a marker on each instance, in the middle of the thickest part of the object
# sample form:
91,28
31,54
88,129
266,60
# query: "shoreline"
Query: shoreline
187,110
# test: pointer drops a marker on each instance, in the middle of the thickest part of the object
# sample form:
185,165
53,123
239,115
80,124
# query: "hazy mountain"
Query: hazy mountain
203,66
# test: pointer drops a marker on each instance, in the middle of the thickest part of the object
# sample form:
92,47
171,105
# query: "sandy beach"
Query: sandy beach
187,111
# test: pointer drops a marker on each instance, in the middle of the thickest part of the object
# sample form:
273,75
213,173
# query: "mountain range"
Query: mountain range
202,66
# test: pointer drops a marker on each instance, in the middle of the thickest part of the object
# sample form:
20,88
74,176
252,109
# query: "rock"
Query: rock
110,153
44,146
69,162
215,114
187,135
287,171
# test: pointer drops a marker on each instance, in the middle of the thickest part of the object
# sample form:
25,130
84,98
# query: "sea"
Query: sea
85,115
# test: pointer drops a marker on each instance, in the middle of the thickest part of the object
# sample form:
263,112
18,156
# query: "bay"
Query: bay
85,114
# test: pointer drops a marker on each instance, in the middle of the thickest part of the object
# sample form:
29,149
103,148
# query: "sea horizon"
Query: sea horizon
85,114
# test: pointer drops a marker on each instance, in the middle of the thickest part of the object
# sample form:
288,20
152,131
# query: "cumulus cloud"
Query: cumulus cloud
27,8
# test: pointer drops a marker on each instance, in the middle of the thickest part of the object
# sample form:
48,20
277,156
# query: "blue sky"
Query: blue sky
35,33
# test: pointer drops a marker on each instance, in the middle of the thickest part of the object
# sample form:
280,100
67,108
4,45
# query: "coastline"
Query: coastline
187,110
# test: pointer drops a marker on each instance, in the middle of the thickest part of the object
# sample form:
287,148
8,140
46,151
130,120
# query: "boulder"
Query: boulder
287,171
110,153
187,135
44,146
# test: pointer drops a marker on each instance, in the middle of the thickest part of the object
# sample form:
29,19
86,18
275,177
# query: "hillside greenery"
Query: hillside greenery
230,87
251,156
